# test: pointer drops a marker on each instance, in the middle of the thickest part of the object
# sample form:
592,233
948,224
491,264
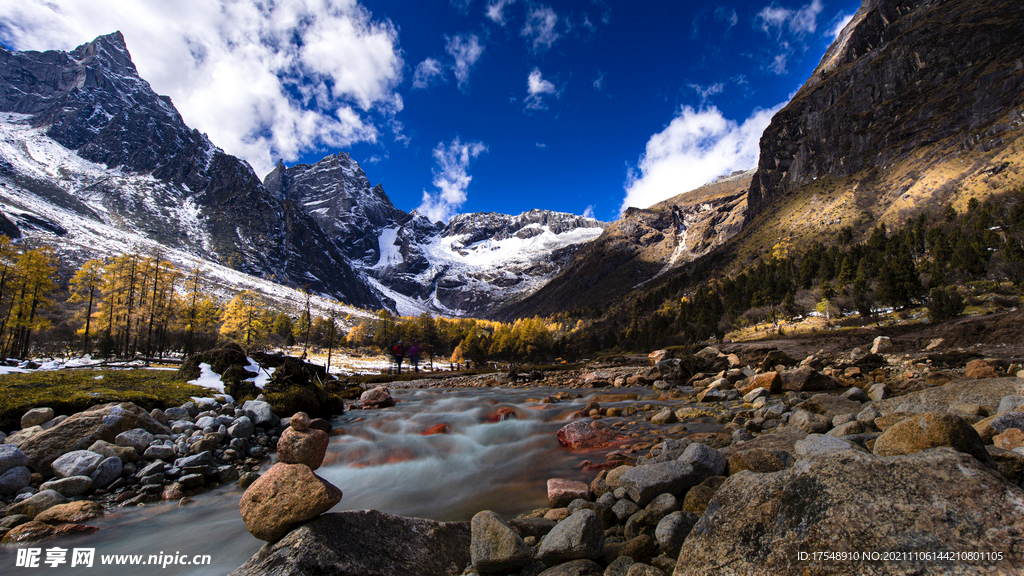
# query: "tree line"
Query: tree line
921,263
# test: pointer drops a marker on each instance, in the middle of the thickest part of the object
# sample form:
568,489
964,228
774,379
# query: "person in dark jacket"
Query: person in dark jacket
414,356
398,353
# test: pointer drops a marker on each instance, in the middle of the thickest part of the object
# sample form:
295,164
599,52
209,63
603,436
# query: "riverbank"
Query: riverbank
779,422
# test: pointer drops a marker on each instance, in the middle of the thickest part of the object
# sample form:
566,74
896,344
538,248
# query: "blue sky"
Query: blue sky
470,105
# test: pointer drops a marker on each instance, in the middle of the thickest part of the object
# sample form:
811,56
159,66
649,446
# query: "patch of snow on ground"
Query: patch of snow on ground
208,378
12,370
262,375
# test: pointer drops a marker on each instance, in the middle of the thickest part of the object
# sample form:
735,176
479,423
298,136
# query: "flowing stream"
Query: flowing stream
381,461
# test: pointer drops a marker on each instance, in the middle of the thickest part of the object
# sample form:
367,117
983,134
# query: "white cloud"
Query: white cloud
496,10
803,20
841,23
466,50
695,148
727,15
707,92
451,178
599,82
264,80
778,65
589,212
536,88
541,22
427,72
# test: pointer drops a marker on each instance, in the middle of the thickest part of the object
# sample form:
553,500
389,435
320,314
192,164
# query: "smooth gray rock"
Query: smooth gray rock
70,486
176,413
11,456
136,438
109,470
855,394
867,416
202,459
1009,402
756,393
581,535
260,413
36,417
643,483
242,427
14,479
495,545
77,463
673,529
160,452
623,509
706,457
365,543
204,422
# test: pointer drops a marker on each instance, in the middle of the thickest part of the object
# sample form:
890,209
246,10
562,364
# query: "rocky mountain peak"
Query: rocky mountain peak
903,77
109,51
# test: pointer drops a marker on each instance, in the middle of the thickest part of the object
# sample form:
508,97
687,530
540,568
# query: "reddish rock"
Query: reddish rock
284,496
441,428
503,413
580,435
299,421
78,511
981,368
1010,439
302,447
562,491
379,397
31,531
74,530
657,356
770,381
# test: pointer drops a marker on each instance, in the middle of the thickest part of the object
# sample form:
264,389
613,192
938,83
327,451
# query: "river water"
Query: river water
382,461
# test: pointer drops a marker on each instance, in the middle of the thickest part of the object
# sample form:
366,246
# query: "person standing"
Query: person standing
414,356
398,353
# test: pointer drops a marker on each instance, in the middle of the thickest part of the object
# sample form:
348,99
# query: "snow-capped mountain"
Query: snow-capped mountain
471,266
95,162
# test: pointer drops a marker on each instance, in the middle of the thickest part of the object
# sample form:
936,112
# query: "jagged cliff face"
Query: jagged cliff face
478,262
337,194
907,81
643,246
89,153
138,169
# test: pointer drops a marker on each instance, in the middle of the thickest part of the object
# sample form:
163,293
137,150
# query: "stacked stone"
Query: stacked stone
119,454
290,493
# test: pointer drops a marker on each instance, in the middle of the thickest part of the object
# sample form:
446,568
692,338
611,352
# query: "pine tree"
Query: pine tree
86,285
243,321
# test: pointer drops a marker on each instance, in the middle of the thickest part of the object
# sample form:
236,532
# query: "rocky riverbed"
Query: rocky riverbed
736,460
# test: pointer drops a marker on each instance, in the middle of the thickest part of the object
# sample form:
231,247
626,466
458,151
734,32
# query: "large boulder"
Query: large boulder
580,435
643,483
365,543
930,430
495,545
284,496
81,430
987,393
379,397
581,535
855,501
562,491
